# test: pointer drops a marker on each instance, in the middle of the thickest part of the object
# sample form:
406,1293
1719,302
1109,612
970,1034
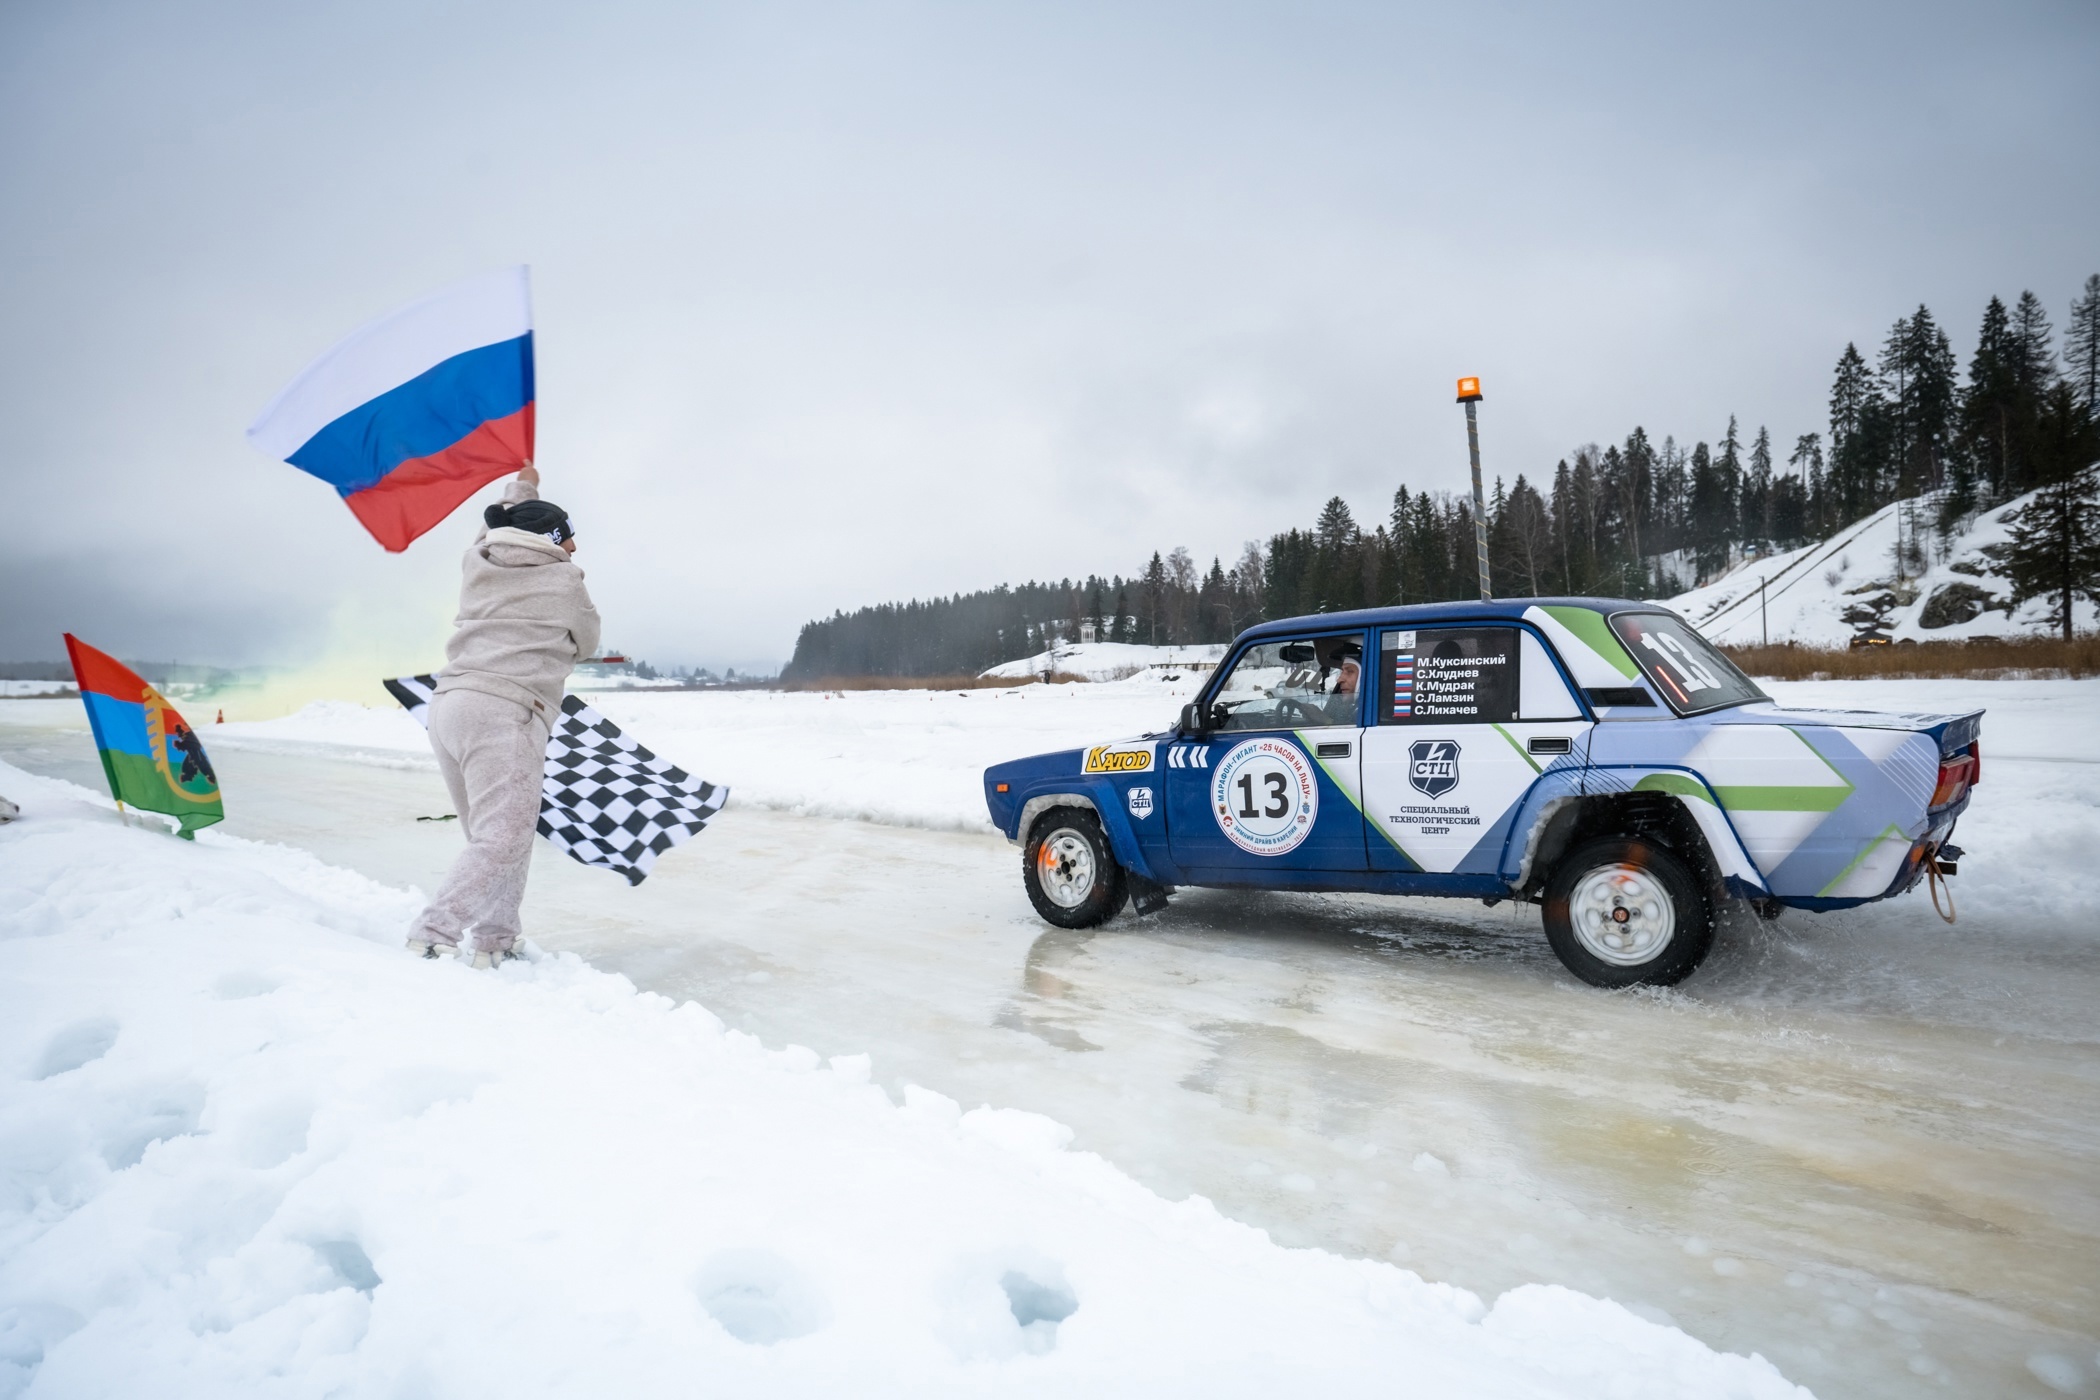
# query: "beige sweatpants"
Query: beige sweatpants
492,753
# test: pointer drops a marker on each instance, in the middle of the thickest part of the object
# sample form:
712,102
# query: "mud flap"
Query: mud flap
1146,896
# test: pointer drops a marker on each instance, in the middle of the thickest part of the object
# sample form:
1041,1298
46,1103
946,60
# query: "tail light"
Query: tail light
1976,753
1957,776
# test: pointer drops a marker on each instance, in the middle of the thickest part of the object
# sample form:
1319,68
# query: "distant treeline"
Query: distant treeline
152,672
1633,519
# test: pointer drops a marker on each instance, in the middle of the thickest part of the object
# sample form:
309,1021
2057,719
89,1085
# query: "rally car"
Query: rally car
1594,756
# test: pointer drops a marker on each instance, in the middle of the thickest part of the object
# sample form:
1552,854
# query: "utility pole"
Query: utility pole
1469,394
1764,631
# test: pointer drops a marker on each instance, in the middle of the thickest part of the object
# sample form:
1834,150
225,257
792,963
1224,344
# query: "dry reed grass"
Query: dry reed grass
1984,658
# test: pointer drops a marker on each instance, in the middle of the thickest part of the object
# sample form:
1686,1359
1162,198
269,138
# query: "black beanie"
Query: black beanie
537,517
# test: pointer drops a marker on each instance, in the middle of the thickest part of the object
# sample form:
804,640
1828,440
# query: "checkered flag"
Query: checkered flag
604,799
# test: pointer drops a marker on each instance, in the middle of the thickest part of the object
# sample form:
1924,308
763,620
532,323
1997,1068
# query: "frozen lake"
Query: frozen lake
1865,1145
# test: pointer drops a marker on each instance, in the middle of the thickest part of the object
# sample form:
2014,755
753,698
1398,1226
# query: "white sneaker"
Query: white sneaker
431,948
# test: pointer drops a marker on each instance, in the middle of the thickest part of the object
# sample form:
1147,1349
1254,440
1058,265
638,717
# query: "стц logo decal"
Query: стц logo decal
1432,766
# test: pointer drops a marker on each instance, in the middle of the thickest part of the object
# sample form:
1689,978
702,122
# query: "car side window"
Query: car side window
1300,683
1448,675
1541,691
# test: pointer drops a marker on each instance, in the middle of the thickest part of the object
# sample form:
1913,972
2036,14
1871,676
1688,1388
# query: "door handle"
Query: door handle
1333,750
1551,743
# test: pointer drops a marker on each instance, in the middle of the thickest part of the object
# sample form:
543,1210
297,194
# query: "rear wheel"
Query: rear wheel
1624,913
1072,877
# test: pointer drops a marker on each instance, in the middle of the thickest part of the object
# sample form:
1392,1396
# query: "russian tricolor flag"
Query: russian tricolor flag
416,412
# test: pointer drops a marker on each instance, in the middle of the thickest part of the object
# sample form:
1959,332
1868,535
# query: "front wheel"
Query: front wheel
1072,877
1625,913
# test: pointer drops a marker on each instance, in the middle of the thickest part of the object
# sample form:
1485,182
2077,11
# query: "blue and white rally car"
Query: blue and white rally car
1594,756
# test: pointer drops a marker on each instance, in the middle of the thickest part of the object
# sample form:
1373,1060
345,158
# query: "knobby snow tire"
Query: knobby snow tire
1107,890
1692,906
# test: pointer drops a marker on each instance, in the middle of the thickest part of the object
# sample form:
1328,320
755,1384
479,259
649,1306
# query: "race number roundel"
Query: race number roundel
1264,797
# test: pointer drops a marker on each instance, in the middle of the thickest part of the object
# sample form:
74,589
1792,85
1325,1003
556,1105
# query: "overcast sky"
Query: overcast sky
840,304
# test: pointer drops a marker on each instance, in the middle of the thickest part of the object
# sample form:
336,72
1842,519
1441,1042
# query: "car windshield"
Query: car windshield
1302,683
1686,668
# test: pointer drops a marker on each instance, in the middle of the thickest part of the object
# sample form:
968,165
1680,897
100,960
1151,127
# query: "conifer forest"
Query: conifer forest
1636,518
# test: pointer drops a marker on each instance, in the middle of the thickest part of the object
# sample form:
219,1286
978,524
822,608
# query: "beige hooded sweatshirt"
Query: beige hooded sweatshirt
524,621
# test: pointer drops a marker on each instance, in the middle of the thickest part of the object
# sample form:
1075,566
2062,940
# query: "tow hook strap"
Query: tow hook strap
1935,882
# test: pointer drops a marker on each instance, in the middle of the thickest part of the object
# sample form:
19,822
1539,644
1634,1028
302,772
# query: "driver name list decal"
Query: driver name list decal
1451,675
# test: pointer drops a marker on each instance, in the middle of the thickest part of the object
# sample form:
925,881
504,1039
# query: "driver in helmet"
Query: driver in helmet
1348,672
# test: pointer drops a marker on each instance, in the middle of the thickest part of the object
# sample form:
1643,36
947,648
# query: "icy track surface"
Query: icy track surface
251,1148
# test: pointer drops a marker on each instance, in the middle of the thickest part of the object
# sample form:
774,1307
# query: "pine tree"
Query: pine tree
1672,497
1807,462
1712,511
1757,490
2034,362
2053,550
1917,373
1990,407
1152,599
1125,629
1336,580
1859,439
1730,462
1214,611
1634,490
2082,346
1290,554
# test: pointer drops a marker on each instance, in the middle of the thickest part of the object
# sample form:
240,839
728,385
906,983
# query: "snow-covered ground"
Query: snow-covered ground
1111,661
1808,591
1861,1144
252,1149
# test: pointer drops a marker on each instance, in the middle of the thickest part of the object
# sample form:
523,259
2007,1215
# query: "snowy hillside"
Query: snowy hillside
1110,661
253,1148
1828,593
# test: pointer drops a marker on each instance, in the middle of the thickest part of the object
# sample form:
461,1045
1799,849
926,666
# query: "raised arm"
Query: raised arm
525,486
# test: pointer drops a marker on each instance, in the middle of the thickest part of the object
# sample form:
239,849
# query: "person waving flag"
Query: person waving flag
411,415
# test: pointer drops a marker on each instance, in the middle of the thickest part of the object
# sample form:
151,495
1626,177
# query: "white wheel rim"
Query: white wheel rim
1064,865
1622,915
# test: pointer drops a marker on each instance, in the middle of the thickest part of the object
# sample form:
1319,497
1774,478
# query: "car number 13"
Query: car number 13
1264,796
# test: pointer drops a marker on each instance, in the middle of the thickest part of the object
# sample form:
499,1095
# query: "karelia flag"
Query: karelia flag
152,759
419,410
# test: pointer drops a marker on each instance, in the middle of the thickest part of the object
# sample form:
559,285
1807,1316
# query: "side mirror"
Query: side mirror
1191,719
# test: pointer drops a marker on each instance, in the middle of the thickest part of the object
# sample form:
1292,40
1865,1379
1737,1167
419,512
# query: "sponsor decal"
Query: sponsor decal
1264,797
1141,802
1432,766
1109,759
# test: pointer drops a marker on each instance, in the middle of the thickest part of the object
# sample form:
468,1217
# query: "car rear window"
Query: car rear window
1682,665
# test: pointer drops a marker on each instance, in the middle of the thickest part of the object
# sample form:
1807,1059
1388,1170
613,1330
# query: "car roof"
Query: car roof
1419,614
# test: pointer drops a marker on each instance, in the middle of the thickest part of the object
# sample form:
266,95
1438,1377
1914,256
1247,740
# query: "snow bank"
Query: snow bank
1111,661
251,1147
